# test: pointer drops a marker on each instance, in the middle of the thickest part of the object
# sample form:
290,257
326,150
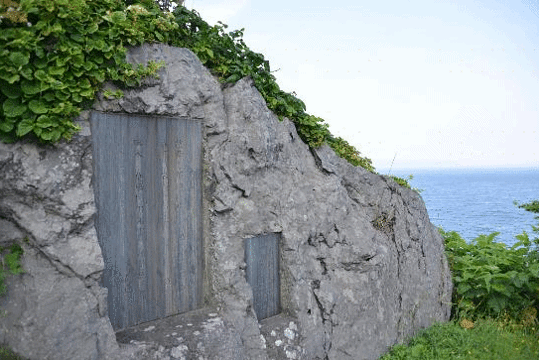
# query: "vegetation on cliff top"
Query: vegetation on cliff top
56,54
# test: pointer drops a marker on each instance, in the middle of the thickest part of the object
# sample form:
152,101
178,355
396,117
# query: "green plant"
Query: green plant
10,264
490,278
401,181
51,68
487,340
229,58
532,206
8,354
384,223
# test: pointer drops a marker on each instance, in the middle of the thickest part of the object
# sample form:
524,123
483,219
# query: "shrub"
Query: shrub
490,278
52,67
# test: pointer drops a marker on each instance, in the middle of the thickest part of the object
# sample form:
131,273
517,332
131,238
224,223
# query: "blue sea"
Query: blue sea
478,201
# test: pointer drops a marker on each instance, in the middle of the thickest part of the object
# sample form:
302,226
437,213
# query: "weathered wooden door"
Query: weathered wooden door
262,273
147,181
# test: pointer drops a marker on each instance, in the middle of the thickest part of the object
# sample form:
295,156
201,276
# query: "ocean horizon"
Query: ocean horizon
475,201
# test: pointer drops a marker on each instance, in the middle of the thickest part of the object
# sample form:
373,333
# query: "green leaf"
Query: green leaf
10,78
19,59
12,92
49,96
41,75
99,75
40,53
25,126
76,97
88,93
118,17
77,72
47,135
40,63
78,60
92,28
38,107
57,70
44,121
84,84
55,135
77,37
6,125
62,96
30,87
89,65
13,108
26,72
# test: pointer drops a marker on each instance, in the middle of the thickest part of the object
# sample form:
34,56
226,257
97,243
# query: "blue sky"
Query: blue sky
433,83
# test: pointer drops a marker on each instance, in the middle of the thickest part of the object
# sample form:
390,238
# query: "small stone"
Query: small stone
196,332
278,342
290,354
149,328
178,351
273,333
289,334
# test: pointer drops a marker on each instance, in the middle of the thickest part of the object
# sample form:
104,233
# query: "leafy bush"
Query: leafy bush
52,66
532,206
490,278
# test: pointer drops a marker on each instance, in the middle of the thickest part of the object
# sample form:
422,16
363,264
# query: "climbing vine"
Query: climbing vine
229,58
56,54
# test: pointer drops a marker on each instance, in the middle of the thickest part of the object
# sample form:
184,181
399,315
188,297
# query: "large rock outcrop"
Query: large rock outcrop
362,267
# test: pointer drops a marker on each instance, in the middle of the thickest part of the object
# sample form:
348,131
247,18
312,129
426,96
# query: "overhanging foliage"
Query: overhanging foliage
56,54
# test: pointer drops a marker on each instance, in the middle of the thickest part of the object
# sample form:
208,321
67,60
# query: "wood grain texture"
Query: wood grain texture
147,181
262,273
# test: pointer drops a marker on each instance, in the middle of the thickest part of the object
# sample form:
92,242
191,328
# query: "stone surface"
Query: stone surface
361,265
56,309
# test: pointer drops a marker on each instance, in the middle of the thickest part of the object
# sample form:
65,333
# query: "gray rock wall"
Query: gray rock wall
362,267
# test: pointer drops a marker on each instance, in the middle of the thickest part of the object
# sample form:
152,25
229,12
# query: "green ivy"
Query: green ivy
229,58
51,68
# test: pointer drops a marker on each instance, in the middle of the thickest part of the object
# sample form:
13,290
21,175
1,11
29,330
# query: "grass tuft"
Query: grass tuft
488,339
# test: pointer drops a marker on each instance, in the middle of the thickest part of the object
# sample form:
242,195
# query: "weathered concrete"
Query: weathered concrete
361,265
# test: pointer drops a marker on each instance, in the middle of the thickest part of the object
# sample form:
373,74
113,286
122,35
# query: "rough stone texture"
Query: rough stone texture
56,309
362,267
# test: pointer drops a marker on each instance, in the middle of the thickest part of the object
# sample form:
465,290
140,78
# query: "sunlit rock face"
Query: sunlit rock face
360,267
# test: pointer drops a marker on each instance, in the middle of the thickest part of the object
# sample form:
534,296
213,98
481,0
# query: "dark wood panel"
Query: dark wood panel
262,273
147,181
